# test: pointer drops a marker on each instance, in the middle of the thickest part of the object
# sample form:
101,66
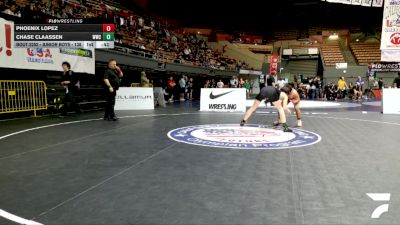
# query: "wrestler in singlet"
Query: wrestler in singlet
276,98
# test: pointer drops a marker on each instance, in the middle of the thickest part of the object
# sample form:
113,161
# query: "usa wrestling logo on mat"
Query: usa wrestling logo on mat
250,136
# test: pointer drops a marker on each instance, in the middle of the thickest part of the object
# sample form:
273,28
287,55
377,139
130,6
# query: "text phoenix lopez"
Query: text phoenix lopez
38,37
35,28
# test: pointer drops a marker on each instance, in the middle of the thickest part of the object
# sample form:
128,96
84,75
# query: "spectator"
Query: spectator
396,81
189,86
342,87
171,88
207,84
144,81
213,83
233,82
220,84
70,81
360,82
375,85
182,87
380,83
331,92
2,6
318,87
247,85
281,82
174,41
358,91
313,88
112,80
13,10
241,83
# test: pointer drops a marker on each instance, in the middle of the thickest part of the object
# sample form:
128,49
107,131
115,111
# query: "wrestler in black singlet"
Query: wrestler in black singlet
269,94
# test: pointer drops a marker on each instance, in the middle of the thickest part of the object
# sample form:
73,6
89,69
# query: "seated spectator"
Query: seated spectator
13,10
331,91
2,6
358,91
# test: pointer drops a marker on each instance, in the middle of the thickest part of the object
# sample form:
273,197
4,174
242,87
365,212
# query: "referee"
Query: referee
112,80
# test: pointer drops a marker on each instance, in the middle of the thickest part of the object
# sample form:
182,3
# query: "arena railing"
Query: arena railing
22,96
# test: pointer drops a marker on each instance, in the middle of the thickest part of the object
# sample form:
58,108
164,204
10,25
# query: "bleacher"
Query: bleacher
366,53
289,34
331,54
306,67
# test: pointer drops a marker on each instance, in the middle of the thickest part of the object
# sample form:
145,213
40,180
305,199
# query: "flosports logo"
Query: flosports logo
248,137
212,96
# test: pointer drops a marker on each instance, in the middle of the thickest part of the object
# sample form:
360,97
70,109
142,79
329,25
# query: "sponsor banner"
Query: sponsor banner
273,66
341,65
390,39
390,101
384,67
390,55
77,52
81,60
248,137
334,1
377,3
223,99
134,98
366,2
250,72
287,51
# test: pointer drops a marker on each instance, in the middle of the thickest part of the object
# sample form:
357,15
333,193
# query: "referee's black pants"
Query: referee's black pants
110,103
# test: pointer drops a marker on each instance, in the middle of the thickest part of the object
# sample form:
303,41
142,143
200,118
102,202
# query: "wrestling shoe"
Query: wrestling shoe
276,123
242,123
286,128
299,123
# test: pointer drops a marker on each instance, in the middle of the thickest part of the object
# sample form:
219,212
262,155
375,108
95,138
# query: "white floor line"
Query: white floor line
178,114
17,219
90,120
46,126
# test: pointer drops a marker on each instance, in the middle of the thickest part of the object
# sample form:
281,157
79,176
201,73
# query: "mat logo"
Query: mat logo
395,38
248,137
382,197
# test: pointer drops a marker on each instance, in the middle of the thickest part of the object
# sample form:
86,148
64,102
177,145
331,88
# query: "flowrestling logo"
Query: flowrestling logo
248,137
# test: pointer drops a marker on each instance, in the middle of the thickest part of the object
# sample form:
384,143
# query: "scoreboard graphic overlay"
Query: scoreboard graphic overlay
65,33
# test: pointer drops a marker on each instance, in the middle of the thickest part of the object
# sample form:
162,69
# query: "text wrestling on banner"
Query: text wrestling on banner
81,60
134,98
223,99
